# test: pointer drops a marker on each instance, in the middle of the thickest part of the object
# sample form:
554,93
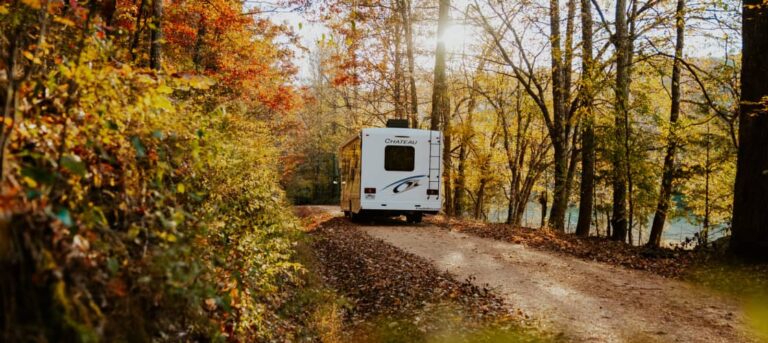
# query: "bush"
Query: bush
136,208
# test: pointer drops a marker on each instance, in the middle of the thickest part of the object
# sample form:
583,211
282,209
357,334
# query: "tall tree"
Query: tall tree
559,115
156,35
750,203
137,30
441,103
654,240
622,41
587,187
559,139
407,17
399,99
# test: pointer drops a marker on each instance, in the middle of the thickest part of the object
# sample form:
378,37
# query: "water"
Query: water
677,230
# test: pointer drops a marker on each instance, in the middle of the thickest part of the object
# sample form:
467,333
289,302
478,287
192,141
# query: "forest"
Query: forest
156,157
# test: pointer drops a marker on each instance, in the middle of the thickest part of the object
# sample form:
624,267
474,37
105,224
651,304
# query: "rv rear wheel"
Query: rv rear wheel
356,217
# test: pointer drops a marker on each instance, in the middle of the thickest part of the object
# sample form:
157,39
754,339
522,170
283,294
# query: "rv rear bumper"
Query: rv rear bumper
394,213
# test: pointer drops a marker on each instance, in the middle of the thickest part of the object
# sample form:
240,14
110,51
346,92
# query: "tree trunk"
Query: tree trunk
573,161
197,56
559,141
559,200
750,204
137,32
156,36
9,100
461,179
543,203
480,198
447,164
405,12
587,187
704,235
654,240
440,102
398,77
623,50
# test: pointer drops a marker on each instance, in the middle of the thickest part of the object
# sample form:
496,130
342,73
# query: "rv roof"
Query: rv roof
375,131
397,131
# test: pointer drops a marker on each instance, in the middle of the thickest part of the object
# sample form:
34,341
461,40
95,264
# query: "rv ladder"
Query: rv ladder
434,159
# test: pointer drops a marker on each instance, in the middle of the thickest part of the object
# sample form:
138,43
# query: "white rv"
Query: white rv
391,172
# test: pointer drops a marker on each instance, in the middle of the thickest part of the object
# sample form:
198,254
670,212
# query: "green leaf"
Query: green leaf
112,265
73,164
140,151
64,217
40,175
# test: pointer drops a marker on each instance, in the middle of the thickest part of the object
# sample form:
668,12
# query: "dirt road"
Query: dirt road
585,301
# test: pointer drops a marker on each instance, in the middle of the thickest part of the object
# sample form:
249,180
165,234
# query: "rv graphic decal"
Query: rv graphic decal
405,185
400,141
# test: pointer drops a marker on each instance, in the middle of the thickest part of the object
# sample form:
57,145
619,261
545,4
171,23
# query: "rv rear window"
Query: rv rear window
399,158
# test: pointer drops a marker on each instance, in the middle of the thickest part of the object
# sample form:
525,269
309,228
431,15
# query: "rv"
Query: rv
391,171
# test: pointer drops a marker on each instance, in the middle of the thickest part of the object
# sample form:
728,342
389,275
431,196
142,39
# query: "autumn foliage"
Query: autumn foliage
142,204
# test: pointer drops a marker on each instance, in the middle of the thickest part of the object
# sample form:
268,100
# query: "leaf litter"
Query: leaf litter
397,296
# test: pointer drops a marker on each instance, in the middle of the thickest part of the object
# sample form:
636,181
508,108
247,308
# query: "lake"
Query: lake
676,231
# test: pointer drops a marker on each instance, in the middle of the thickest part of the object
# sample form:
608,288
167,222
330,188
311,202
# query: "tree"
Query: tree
624,50
155,52
750,203
559,114
587,186
465,139
440,101
559,138
525,153
407,17
130,155
665,192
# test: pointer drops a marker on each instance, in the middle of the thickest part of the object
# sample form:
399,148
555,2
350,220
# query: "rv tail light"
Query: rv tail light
370,191
432,192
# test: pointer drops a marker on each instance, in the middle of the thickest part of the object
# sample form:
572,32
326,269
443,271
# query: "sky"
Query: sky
458,38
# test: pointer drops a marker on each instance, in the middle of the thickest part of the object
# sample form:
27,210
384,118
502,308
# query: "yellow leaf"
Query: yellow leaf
165,89
200,82
32,3
3,9
168,237
30,182
134,231
180,188
28,55
64,21
163,103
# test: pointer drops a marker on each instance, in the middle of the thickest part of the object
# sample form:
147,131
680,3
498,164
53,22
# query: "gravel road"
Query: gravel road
585,301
